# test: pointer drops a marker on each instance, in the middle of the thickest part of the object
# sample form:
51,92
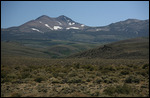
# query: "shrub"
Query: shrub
25,75
39,79
3,74
132,79
109,90
124,72
55,74
88,67
123,89
95,93
98,81
100,67
72,74
27,69
9,78
55,80
98,74
120,89
108,80
3,80
144,86
145,66
15,95
62,75
144,73
77,65
88,80
67,90
110,68
17,67
43,90
74,80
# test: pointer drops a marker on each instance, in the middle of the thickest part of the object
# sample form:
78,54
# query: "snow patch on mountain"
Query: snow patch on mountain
37,30
98,29
48,26
57,27
40,21
72,28
82,25
71,23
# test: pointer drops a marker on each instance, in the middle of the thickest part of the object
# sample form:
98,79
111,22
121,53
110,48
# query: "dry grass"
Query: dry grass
35,77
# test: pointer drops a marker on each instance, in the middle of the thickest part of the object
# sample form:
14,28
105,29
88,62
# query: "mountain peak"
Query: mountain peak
43,17
128,21
134,20
65,18
62,16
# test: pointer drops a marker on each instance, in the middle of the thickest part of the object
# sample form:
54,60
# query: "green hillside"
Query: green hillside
43,48
137,48
17,49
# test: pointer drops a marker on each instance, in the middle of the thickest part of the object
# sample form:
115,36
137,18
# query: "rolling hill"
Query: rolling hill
12,49
137,48
43,48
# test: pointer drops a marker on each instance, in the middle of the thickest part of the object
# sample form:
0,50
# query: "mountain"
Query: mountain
61,36
64,28
45,24
131,27
137,48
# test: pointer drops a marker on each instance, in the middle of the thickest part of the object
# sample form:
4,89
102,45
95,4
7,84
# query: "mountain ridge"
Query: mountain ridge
45,33
64,28
63,16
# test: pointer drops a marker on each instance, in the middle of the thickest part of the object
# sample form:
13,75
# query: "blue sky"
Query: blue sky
90,13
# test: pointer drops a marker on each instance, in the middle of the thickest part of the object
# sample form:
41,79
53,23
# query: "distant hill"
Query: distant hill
43,48
137,48
12,49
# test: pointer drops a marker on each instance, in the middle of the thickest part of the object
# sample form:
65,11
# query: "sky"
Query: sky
90,13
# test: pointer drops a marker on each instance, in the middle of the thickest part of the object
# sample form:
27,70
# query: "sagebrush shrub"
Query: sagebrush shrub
132,79
39,79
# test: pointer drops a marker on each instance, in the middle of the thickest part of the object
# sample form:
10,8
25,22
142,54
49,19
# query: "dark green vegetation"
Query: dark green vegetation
137,48
41,77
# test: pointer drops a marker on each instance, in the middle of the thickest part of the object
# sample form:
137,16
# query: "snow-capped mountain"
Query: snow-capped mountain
64,28
45,24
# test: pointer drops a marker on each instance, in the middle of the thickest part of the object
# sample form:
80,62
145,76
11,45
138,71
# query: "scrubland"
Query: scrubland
37,77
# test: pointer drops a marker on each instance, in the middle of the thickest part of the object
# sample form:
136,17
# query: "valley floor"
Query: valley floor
37,77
